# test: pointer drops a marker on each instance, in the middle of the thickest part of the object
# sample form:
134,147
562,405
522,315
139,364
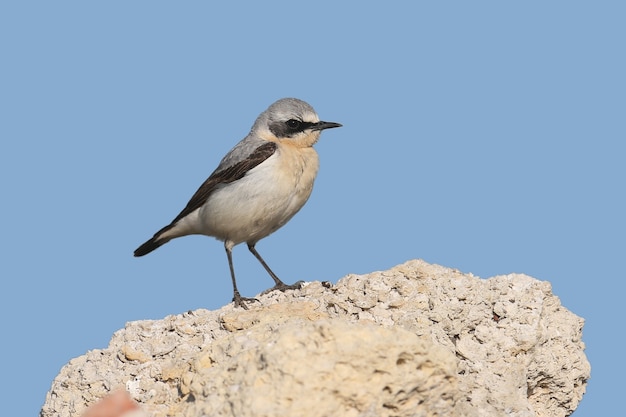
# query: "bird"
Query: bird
257,187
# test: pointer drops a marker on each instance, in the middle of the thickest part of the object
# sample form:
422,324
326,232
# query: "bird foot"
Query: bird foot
284,287
241,301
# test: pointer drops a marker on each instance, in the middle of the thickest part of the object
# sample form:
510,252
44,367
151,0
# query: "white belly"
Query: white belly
262,201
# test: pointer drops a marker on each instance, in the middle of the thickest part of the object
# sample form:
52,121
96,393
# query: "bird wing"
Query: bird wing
226,175
232,168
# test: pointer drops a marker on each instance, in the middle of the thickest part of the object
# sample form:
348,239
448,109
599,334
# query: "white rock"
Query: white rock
417,340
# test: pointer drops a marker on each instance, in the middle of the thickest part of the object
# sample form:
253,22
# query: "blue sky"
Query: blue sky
487,137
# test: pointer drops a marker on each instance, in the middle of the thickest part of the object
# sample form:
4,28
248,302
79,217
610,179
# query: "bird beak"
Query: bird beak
325,125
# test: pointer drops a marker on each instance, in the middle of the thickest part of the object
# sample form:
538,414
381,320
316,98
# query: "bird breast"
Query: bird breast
263,200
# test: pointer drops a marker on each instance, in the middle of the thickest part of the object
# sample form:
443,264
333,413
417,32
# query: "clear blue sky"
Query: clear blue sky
487,137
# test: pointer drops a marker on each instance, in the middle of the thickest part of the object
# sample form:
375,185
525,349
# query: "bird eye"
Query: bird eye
293,123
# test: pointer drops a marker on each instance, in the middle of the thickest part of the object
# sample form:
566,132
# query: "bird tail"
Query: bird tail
155,242
149,246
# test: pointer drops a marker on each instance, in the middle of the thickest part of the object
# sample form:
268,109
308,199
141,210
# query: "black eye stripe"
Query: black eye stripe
289,128
298,125
293,123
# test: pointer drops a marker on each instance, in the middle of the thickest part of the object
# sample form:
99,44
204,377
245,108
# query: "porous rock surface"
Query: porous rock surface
416,340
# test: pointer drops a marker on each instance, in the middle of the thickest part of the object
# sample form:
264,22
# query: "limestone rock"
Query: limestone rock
416,340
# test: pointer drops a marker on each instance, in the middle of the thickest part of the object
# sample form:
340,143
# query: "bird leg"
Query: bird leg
279,285
237,298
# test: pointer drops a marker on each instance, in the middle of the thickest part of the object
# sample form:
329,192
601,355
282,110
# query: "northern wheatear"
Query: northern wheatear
258,186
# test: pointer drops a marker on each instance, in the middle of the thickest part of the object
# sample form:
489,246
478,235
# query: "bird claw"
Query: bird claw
284,287
241,301
281,286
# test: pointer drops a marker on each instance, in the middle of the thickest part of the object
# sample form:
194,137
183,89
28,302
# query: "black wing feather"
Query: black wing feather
224,176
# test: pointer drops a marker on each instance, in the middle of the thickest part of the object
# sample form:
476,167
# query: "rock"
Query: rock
416,340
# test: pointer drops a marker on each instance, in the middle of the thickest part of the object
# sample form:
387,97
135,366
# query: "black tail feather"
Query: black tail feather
155,242
149,246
